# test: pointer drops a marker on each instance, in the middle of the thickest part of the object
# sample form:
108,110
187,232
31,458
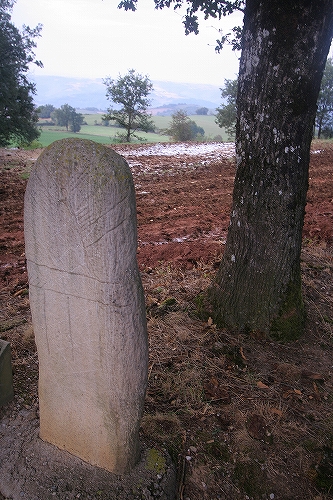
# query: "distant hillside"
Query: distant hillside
191,94
77,92
85,93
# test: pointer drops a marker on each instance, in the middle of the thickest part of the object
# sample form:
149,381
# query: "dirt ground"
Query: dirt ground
183,203
241,418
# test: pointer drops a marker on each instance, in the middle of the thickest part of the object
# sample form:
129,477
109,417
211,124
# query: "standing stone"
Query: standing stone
87,302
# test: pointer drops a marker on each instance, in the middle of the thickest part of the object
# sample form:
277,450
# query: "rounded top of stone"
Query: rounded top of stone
78,145
74,154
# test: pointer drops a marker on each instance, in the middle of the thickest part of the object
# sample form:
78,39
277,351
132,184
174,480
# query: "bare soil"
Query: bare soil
241,417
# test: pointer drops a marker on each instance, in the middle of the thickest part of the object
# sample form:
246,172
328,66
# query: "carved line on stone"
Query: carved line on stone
105,234
111,300
81,228
80,275
77,217
66,294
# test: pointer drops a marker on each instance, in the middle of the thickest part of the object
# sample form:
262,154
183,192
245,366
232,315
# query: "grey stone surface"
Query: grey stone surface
87,302
6,374
32,469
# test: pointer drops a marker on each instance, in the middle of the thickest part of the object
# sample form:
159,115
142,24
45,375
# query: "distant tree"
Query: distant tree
131,92
45,110
76,121
66,116
182,128
18,117
62,115
327,130
324,116
202,111
218,138
196,130
227,113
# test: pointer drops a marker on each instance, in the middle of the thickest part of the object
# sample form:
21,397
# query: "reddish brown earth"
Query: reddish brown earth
210,395
183,206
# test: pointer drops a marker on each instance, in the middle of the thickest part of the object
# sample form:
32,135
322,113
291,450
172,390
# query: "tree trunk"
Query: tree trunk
129,127
285,46
320,126
128,134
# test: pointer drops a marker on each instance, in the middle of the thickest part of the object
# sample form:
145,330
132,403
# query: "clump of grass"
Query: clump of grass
188,353
250,477
165,430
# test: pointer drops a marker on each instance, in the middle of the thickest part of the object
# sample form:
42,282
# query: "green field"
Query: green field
106,135
207,122
103,135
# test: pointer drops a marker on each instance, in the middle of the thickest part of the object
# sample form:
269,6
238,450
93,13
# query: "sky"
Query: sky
95,39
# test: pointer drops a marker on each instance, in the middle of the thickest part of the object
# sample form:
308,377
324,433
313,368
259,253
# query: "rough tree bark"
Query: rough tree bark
285,46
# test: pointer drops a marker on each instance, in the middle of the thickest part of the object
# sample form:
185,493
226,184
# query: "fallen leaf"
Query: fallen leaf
215,392
23,291
257,428
261,385
313,376
288,394
291,392
316,391
242,353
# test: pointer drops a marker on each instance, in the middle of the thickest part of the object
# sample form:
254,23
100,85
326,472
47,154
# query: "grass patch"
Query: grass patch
250,478
95,131
50,135
213,399
102,135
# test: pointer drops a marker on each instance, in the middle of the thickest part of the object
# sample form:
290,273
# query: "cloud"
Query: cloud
94,39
